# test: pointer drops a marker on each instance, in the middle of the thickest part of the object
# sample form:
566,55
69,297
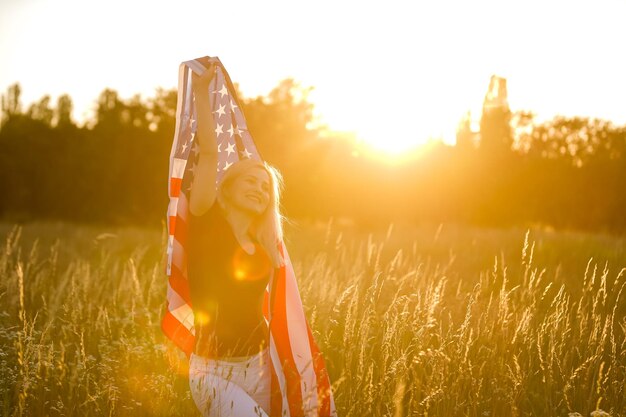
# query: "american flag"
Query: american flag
300,385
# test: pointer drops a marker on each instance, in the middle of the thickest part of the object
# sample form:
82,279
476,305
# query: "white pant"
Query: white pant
231,388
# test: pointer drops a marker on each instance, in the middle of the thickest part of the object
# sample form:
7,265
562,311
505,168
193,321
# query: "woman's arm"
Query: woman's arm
203,188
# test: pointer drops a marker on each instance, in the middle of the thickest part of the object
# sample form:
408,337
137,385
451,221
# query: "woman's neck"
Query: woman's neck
240,222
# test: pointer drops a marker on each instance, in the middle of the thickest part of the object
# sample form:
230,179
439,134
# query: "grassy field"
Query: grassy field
429,320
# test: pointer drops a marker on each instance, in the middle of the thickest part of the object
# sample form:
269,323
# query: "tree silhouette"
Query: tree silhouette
465,137
11,104
63,111
578,140
567,172
41,111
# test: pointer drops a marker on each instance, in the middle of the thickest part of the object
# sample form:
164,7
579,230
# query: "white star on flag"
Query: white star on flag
218,129
227,165
245,153
232,105
220,112
223,91
196,148
231,148
231,130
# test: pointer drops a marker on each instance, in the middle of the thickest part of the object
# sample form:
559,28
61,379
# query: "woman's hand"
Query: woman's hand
200,83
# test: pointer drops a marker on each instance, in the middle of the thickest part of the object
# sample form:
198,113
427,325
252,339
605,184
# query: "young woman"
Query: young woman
233,247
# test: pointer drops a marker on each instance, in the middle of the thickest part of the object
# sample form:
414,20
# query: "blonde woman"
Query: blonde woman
234,234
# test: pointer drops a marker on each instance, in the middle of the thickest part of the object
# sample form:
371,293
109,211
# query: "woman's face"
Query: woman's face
250,191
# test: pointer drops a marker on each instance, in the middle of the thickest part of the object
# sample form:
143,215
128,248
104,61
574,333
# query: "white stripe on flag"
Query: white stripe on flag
179,168
178,255
184,314
181,207
174,299
197,67
280,376
299,338
171,208
170,243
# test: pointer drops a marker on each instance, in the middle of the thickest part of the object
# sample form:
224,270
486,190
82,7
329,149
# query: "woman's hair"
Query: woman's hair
267,227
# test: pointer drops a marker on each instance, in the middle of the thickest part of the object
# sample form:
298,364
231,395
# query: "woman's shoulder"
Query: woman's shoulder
215,209
214,215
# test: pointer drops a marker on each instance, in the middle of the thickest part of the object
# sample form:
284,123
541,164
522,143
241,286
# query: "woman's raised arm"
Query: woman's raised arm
203,189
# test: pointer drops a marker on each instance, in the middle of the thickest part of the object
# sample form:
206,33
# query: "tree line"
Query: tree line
568,172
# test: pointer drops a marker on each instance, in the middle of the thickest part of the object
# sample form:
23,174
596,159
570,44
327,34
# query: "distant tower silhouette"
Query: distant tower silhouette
495,128
496,96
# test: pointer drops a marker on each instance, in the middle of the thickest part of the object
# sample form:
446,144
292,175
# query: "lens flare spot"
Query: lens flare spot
202,317
240,274
246,267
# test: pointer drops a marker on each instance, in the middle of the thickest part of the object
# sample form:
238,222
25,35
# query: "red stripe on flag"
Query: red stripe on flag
323,382
179,283
181,231
175,184
178,333
172,228
283,345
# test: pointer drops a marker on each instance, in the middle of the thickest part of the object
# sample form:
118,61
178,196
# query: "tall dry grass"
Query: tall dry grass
441,321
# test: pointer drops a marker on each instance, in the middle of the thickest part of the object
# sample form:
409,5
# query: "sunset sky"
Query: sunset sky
393,72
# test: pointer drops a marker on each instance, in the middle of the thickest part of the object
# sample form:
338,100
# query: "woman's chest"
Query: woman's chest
225,262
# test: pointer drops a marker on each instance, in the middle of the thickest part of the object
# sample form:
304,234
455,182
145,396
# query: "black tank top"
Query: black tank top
227,287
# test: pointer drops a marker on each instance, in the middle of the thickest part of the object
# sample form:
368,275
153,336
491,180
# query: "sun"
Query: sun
395,123
393,154
399,142
388,141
